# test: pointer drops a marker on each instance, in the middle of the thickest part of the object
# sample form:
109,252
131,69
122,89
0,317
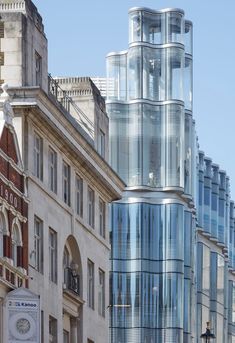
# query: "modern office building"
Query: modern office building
69,185
172,240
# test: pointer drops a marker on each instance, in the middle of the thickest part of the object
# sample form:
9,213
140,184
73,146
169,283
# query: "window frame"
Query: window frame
52,169
38,245
91,207
101,293
90,284
38,156
66,183
52,245
79,195
102,213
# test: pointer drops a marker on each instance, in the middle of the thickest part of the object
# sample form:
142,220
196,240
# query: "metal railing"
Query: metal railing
71,280
67,102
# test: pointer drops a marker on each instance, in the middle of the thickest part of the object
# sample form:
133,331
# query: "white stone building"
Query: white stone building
69,183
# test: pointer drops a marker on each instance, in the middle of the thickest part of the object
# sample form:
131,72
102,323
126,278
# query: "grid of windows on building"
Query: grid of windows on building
38,156
101,295
102,217
52,170
90,284
52,330
52,255
79,195
66,183
91,207
38,244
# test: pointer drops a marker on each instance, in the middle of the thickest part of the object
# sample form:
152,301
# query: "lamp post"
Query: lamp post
208,334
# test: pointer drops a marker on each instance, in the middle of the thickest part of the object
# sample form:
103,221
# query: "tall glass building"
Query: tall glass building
149,101
173,260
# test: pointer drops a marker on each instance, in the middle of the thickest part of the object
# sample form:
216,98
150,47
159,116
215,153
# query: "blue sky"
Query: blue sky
81,33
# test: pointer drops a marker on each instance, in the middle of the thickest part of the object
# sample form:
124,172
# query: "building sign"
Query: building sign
22,316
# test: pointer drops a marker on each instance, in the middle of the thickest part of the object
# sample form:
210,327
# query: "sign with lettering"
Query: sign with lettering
22,316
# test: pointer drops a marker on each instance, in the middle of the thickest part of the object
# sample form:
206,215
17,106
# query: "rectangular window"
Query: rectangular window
1,29
79,195
52,330
91,207
101,296
102,217
38,244
66,183
42,327
38,69
52,255
1,58
101,143
65,336
90,284
52,170
38,156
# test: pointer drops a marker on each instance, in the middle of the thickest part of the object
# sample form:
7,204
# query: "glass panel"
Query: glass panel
153,28
175,137
175,66
153,146
119,139
153,74
188,96
135,145
135,27
220,279
188,155
174,27
134,73
188,37
116,77
206,271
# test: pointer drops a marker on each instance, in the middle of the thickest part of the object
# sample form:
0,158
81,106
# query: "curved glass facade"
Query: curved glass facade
152,247
149,102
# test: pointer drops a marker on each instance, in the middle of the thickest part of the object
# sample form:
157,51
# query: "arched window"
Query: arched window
16,241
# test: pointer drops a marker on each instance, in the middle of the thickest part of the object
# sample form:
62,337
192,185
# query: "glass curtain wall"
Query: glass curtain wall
149,103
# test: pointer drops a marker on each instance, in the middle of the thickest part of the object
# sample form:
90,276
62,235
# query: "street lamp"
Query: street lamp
208,334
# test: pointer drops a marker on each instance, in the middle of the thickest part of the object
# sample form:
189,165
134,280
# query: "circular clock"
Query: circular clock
23,326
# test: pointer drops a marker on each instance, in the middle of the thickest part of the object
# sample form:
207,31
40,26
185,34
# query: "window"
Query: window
15,241
65,336
52,170
38,244
1,29
66,183
38,69
101,143
38,156
102,217
52,330
1,58
101,296
91,207
2,226
52,255
90,284
79,195
90,341
42,326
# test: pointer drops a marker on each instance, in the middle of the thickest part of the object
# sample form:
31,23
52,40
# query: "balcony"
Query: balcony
72,280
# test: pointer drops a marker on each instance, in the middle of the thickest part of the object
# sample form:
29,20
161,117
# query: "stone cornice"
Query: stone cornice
75,140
